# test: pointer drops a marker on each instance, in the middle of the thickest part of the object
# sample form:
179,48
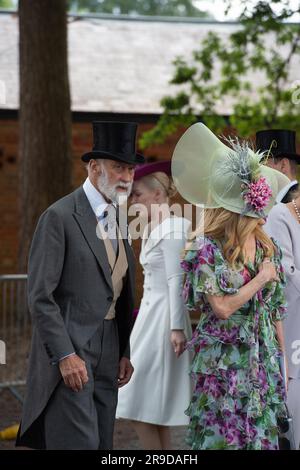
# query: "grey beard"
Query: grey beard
110,192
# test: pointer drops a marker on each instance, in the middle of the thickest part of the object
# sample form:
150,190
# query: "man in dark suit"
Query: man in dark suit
280,146
80,290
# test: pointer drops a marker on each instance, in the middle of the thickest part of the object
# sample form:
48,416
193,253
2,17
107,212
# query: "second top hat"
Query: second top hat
278,143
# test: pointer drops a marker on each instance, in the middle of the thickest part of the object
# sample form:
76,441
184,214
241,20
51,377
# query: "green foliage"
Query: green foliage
220,445
138,7
203,399
6,4
246,51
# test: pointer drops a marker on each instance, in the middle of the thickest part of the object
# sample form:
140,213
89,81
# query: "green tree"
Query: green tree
256,47
6,4
138,7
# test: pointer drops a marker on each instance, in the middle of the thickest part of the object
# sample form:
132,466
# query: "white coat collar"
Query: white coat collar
162,230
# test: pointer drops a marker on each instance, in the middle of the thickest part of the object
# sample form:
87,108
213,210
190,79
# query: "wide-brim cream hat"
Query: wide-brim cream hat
207,172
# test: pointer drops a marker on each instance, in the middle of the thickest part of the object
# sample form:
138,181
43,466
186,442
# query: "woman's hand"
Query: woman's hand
125,371
267,271
178,341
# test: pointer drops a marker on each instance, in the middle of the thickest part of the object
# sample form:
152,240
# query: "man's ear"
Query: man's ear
285,164
95,167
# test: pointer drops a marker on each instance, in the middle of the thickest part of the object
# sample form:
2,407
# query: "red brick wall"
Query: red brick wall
8,196
9,188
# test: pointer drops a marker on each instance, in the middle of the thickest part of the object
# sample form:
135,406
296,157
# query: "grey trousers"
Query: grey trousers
85,419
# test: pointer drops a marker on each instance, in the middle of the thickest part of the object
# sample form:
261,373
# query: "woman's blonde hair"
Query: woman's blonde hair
162,181
232,230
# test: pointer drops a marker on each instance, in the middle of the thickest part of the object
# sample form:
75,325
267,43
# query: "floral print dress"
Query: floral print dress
239,391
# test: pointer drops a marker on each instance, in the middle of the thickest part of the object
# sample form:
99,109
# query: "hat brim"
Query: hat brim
149,168
274,178
197,159
131,159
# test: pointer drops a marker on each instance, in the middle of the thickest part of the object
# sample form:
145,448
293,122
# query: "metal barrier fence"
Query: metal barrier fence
15,332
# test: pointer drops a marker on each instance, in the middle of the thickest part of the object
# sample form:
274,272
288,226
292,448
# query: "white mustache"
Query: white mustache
123,185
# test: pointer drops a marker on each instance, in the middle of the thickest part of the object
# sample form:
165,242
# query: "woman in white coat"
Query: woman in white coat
160,388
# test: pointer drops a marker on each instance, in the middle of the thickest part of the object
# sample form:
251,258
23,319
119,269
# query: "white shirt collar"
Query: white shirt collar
96,200
285,190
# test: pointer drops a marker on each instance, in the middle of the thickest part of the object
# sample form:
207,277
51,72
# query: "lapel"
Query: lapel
123,227
166,227
121,263
111,255
87,222
155,235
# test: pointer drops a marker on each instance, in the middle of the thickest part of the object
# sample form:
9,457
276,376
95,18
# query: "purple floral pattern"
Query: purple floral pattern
239,392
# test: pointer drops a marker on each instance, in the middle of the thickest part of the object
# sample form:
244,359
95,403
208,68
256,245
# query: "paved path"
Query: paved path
125,437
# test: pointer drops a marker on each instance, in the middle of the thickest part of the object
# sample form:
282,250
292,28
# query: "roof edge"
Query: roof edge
146,19
137,18
89,116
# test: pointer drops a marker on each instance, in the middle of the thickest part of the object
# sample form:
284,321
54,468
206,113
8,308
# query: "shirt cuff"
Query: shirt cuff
64,357
54,363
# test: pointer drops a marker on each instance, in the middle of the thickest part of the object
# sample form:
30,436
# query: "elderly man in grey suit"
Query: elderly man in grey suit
80,289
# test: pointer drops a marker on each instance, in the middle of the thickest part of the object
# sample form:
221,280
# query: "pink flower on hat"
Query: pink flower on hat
257,194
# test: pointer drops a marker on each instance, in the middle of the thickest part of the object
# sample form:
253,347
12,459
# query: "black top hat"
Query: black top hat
114,141
278,142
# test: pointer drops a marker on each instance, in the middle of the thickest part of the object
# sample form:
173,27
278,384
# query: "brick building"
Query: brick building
119,69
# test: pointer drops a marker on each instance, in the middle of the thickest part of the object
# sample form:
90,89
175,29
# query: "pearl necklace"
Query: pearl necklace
296,209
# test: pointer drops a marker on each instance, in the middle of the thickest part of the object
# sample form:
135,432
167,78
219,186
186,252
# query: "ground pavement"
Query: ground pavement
125,437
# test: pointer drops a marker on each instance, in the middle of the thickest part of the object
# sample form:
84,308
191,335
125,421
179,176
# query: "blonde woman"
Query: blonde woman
235,277
160,389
